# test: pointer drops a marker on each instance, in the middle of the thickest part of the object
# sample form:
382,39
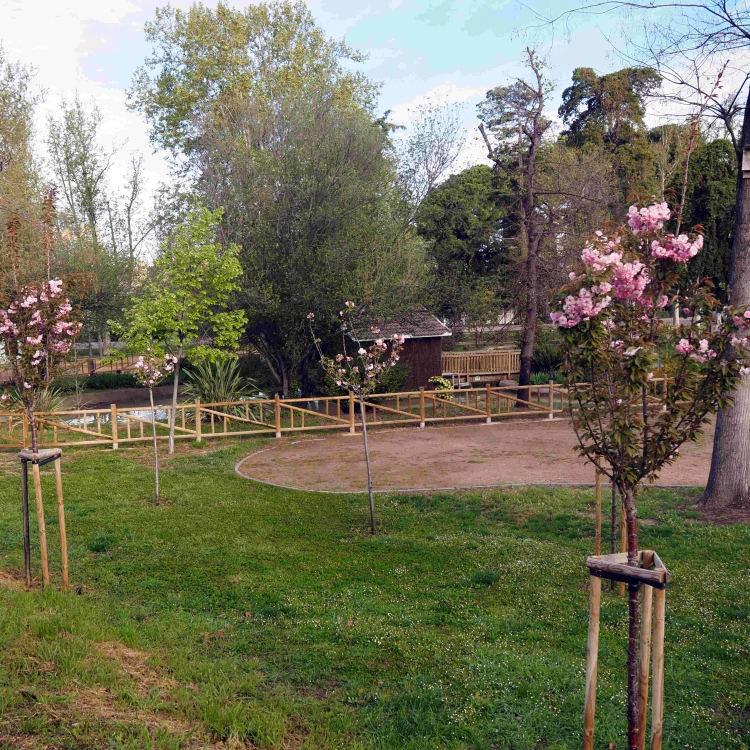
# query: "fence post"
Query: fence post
277,414
421,407
551,400
351,412
488,405
113,419
198,422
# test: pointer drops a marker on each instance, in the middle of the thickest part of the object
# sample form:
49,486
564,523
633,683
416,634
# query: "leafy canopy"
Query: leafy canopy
183,308
203,55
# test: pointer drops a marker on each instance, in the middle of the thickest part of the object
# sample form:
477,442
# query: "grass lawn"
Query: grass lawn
239,615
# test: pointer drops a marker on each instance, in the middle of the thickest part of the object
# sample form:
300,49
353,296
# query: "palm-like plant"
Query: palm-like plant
219,383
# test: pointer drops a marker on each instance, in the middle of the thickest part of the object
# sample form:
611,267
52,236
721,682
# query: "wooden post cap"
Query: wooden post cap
615,568
41,455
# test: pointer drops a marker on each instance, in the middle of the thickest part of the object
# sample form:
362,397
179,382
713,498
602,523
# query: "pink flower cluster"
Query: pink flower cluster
585,306
149,370
679,249
598,261
630,280
701,354
36,333
648,218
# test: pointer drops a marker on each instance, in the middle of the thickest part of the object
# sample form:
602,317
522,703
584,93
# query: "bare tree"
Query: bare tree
429,152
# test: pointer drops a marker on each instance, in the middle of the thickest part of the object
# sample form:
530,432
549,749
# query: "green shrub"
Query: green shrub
110,381
215,382
543,377
439,383
547,356
51,399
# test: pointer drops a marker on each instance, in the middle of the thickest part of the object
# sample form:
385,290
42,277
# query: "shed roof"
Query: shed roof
417,323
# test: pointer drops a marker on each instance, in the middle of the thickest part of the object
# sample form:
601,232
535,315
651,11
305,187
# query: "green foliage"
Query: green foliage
109,381
548,354
186,301
49,399
439,383
542,377
204,56
710,199
215,382
609,110
267,614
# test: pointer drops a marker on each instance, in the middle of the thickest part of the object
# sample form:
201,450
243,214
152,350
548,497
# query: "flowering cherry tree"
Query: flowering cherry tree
149,370
360,374
616,341
37,329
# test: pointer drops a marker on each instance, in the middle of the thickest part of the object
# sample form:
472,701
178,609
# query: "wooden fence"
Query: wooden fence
86,366
116,425
464,367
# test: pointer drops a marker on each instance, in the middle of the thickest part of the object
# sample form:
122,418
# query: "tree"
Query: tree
514,116
431,149
204,55
270,126
709,203
183,308
360,375
555,194
706,30
149,369
613,345
23,199
609,111
462,220
104,231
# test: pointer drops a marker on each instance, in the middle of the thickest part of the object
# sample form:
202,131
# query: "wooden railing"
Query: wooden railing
115,425
465,367
86,366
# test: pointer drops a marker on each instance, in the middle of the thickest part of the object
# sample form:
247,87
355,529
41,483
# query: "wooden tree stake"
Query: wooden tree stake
645,655
598,543
42,526
592,659
61,519
657,686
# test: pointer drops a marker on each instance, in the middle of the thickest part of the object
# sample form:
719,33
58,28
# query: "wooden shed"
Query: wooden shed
423,347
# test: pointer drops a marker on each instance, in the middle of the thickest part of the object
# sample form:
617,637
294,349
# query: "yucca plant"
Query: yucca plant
50,399
219,382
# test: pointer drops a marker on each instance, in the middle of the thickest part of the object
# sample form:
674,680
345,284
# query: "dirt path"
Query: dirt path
521,452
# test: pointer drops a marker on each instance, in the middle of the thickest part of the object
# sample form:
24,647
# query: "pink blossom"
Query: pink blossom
684,347
679,249
591,256
648,218
630,280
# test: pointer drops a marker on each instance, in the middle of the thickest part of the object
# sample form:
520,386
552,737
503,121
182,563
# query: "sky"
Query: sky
445,50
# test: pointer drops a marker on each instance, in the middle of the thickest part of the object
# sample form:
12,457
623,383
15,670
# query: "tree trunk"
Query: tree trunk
173,410
633,623
531,319
373,525
156,452
33,429
729,478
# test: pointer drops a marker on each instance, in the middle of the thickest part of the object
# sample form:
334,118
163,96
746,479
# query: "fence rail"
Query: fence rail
86,366
116,425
